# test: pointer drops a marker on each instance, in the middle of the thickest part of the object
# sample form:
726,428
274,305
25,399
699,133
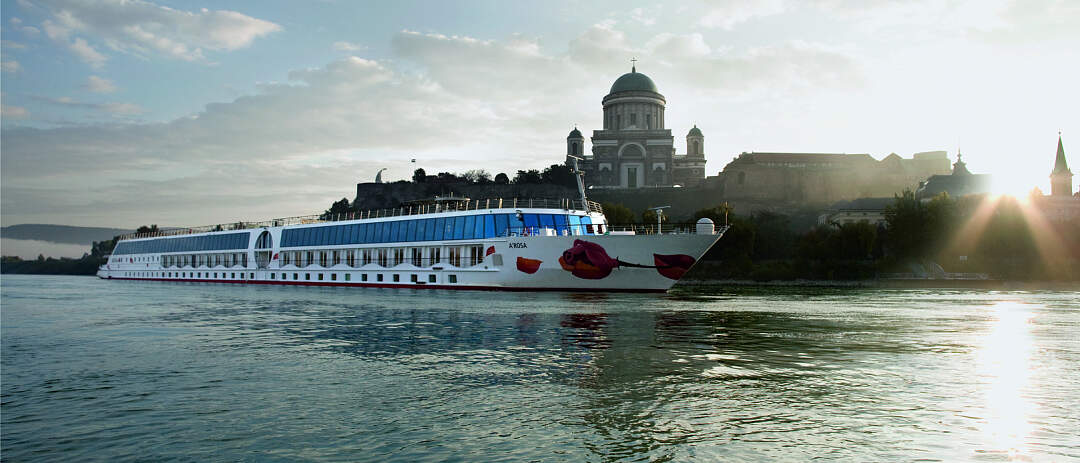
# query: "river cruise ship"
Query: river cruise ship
444,243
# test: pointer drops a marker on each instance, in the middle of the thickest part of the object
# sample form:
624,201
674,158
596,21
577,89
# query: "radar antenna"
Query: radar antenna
659,217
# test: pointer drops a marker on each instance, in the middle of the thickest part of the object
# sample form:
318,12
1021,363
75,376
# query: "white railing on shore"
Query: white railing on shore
409,209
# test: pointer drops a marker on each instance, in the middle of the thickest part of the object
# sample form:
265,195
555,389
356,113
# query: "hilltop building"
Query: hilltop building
1062,204
1061,177
634,149
960,182
823,178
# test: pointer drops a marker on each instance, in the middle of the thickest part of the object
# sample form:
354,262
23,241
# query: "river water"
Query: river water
112,370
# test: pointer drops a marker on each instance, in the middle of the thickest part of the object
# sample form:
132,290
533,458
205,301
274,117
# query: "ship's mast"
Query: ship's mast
580,176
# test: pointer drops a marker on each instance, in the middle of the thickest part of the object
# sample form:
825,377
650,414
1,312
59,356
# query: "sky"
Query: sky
123,113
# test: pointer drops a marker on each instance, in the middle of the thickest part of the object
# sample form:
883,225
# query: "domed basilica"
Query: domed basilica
634,150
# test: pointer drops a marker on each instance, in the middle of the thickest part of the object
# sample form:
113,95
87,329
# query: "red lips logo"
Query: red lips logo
587,260
528,265
673,266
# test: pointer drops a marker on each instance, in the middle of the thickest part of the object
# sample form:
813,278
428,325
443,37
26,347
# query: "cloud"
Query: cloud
10,66
13,112
99,85
145,29
12,45
1032,20
348,46
728,13
678,46
643,16
87,53
450,101
113,108
601,46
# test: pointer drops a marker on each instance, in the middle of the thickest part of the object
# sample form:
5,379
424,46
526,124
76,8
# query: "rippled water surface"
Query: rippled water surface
97,370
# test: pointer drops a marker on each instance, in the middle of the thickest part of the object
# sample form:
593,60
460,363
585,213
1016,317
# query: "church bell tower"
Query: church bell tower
1061,177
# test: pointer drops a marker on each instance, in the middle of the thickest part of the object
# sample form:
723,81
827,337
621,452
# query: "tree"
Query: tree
477,176
718,214
906,217
529,177
617,213
773,238
447,177
147,229
419,176
339,207
502,179
558,174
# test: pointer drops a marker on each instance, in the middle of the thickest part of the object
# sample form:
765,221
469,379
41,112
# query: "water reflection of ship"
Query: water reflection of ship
585,330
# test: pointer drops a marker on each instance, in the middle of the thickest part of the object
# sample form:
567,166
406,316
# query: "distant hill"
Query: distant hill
65,234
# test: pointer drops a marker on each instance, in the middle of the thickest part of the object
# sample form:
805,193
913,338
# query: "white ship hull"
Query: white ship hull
538,269
550,249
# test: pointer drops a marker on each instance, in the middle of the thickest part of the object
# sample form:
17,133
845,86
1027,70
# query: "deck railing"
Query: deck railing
408,209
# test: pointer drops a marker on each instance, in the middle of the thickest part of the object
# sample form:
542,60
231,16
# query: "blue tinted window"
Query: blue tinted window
394,227
586,225
453,227
478,228
411,232
500,224
429,229
547,221
403,230
365,233
531,221
440,227
324,236
386,232
575,225
421,229
516,225
560,223
469,227
489,226
354,233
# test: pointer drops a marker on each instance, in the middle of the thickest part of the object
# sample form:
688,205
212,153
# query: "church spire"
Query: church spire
1060,166
1061,177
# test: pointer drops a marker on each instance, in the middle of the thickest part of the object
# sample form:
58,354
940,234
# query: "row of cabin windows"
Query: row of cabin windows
457,256
133,259
231,259
284,276
219,242
225,275
466,227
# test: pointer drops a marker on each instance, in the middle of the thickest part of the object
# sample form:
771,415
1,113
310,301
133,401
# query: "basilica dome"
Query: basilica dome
633,81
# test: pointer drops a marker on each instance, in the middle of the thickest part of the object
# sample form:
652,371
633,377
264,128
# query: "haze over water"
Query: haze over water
96,370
